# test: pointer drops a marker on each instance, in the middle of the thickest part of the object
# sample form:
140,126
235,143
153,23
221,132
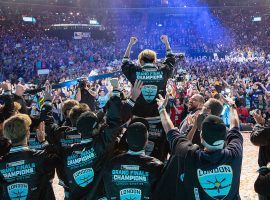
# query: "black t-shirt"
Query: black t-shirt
88,99
154,80
132,176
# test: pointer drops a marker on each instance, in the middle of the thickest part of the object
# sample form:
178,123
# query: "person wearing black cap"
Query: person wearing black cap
82,163
133,175
209,173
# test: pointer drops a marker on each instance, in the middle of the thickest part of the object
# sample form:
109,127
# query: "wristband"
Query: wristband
161,109
131,102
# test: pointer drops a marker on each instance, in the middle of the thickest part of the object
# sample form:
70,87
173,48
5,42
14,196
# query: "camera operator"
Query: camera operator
260,136
87,94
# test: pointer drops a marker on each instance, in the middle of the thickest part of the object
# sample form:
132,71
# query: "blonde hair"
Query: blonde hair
17,107
147,56
16,128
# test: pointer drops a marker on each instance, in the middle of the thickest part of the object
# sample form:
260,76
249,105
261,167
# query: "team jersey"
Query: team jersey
132,175
25,174
154,80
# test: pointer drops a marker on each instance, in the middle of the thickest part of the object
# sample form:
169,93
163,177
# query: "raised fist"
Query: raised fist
164,38
115,83
6,85
133,40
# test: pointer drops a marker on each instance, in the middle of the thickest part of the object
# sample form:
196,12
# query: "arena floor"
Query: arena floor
248,175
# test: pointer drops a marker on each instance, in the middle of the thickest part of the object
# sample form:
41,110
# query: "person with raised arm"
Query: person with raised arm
209,173
154,76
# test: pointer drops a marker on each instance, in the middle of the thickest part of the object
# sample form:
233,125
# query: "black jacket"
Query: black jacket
262,185
8,109
82,163
24,174
260,136
192,173
154,80
22,102
132,175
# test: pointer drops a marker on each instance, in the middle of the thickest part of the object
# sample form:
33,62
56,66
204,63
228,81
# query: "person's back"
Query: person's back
80,168
209,173
24,174
154,78
81,163
132,175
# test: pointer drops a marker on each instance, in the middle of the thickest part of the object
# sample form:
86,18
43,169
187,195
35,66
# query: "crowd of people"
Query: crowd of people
133,136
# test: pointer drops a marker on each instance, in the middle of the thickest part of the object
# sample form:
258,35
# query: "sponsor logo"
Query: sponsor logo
130,167
14,164
84,177
149,92
18,191
216,182
130,194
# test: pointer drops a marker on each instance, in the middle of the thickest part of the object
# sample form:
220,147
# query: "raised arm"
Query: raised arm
165,40
165,118
133,41
170,58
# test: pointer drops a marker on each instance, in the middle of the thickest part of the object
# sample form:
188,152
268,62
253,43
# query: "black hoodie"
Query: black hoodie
192,173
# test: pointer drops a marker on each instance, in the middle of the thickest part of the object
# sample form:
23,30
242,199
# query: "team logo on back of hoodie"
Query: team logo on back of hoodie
149,92
216,182
18,191
84,177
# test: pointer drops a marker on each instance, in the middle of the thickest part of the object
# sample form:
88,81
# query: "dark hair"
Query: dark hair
76,111
215,106
35,122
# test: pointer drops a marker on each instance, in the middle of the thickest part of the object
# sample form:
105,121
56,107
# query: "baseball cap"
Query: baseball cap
140,119
137,135
213,132
86,123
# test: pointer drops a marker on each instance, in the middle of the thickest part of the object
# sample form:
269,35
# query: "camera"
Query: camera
180,77
180,56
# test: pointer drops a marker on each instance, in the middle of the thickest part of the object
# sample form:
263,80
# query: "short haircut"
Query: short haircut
147,56
76,111
199,98
215,106
68,105
16,128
